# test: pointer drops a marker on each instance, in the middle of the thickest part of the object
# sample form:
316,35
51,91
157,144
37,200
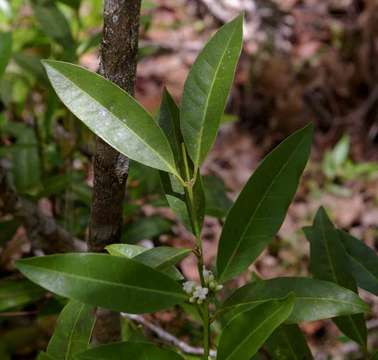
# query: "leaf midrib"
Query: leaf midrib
172,294
72,330
309,298
231,259
169,166
203,117
254,331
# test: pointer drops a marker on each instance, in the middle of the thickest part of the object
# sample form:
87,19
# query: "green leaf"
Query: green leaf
161,258
175,193
129,350
126,250
217,201
90,278
111,114
73,331
207,87
246,333
329,261
261,207
5,50
169,121
314,299
53,23
288,343
363,262
15,293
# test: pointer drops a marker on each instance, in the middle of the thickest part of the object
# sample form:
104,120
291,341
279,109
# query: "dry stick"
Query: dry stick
167,337
117,63
42,230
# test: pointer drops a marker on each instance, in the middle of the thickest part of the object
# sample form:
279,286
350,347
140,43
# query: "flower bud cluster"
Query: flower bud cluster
210,281
198,293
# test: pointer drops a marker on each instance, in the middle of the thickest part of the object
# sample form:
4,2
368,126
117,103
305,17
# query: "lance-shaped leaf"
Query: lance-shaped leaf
207,87
5,50
329,261
73,331
314,299
112,282
111,114
363,262
261,207
288,343
162,258
246,333
18,292
175,193
129,350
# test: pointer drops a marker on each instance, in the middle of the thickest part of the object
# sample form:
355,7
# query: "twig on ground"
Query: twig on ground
166,336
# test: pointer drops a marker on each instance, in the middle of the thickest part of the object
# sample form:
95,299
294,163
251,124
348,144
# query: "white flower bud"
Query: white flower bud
189,287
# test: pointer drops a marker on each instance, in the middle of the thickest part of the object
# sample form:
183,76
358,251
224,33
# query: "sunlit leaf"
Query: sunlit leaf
111,114
207,87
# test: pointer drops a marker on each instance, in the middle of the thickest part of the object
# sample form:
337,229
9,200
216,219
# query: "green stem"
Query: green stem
206,332
199,252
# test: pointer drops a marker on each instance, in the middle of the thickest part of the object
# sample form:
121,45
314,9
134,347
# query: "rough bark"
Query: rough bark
42,230
117,63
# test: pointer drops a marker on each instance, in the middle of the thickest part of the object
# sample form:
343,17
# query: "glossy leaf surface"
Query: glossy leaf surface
288,343
129,350
329,261
72,332
246,333
207,87
161,258
261,206
314,299
111,114
5,50
363,262
18,292
92,278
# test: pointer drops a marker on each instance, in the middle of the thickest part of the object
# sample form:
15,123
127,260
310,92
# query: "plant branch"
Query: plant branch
43,231
167,337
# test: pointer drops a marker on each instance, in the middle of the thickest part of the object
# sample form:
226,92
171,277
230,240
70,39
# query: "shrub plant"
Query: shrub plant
136,280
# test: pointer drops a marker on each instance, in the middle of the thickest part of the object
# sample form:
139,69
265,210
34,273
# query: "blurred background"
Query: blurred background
303,60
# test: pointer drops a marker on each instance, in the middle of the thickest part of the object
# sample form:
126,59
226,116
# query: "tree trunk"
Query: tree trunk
117,63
